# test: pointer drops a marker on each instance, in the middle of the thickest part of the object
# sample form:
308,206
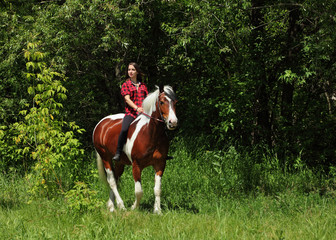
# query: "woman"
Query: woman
134,92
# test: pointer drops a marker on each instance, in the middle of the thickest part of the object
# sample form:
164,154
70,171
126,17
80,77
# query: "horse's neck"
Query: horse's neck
155,128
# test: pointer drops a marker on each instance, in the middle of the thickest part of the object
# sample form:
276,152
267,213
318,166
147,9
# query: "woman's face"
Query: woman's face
132,72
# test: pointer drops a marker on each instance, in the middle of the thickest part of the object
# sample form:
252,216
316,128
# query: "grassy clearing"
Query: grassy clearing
247,219
235,198
287,216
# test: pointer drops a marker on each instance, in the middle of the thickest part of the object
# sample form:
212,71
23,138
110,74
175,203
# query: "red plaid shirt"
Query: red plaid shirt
137,96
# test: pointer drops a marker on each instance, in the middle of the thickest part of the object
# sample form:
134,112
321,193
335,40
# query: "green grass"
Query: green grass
286,216
261,218
238,197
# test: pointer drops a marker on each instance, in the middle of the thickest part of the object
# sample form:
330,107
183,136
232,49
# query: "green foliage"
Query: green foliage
203,175
55,154
250,173
8,148
255,79
13,190
82,199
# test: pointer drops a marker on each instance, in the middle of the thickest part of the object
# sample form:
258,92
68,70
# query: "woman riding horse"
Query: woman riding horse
146,144
134,92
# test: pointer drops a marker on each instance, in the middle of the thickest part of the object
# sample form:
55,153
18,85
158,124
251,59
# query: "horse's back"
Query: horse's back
106,132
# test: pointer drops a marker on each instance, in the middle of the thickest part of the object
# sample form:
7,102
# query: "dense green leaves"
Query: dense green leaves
42,138
247,73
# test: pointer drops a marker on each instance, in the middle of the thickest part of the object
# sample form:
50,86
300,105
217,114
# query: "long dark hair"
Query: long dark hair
138,69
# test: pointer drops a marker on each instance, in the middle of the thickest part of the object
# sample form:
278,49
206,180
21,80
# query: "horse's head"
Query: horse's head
167,101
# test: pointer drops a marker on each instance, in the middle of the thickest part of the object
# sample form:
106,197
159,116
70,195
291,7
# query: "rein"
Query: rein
160,120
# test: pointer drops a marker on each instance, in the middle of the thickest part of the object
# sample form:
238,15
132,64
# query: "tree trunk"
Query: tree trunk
291,63
262,131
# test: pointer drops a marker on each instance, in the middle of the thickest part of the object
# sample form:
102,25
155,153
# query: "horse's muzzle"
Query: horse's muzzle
172,124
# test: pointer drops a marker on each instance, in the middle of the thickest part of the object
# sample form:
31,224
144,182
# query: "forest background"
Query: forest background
255,81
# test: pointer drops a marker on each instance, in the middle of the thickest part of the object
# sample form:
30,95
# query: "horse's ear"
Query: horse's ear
161,88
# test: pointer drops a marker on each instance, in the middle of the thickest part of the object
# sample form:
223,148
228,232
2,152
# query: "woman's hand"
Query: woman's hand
139,110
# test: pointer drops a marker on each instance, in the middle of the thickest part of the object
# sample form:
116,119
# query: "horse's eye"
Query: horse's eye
161,103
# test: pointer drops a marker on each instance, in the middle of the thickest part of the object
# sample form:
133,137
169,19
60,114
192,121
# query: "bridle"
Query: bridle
157,119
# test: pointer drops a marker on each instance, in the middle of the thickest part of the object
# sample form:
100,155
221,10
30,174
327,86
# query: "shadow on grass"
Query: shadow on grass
149,207
6,203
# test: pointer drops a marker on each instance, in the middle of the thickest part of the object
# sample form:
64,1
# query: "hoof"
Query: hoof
110,206
157,211
122,207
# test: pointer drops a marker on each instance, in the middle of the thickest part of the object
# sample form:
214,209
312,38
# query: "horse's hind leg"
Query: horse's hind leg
104,163
114,191
110,202
137,185
103,175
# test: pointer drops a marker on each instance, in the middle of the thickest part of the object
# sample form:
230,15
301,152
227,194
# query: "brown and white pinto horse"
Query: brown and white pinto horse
146,145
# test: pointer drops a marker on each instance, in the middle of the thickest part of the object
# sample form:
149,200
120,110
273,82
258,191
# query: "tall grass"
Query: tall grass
206,194
288,216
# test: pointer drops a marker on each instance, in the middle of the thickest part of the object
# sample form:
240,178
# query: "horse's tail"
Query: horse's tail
101,169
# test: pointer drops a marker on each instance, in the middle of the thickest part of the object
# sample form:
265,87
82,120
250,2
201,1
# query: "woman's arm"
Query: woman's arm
132,104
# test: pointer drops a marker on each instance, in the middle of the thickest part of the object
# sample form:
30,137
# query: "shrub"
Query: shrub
81,198
47,141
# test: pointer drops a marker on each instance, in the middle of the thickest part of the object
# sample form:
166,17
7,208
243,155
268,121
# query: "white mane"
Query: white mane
149,104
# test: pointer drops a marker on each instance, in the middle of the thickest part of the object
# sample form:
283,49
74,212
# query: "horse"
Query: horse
147,145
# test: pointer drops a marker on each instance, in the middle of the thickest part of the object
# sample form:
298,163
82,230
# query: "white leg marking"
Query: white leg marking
110,202
138,195
157,193
113,185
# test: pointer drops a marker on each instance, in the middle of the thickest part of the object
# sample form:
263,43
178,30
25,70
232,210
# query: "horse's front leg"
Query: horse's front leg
159,167
157,192
137,185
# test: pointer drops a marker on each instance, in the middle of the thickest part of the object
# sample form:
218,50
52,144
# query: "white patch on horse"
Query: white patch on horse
140,122
149,107
112,117
157,193
138,194
172,119
113,185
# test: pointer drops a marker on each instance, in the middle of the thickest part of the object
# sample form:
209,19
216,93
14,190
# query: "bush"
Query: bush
81,198
49,143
